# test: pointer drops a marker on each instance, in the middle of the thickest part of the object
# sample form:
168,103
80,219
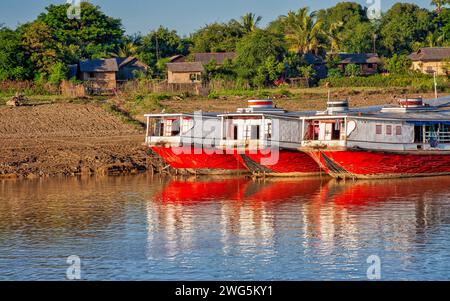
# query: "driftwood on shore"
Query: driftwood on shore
17,100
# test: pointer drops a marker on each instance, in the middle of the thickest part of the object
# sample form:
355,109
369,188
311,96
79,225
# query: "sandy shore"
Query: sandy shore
67,139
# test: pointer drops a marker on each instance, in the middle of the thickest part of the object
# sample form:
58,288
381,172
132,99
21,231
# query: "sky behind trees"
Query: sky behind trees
181,15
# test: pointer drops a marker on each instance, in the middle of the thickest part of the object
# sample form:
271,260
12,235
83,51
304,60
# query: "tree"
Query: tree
58,73
302,31
352,70
332,63
216,71
332,35
94,35
217,37
256,51
249,22
402,26
307,72
41,47
398,64
269,71
440,4
346,28
14,64
129,46
441,24
159,44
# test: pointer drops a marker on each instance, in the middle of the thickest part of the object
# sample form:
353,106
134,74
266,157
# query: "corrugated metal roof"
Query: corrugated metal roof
99,65
431,54
186,67
359,58
219,57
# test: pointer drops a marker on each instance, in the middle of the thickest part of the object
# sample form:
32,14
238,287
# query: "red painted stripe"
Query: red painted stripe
286,161
195,158
366,163
261,103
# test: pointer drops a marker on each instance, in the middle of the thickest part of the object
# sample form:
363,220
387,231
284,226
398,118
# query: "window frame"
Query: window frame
379,129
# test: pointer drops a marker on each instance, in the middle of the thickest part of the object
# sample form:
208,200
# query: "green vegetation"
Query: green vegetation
417,83
39,51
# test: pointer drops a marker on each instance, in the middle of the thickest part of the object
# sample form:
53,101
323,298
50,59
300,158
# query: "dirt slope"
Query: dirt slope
66,139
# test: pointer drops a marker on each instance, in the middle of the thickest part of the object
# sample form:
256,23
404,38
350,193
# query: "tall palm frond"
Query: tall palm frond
250,22
303,31
126,50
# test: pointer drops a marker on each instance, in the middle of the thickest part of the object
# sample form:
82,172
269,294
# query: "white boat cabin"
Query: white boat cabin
261,125
411,126
182,128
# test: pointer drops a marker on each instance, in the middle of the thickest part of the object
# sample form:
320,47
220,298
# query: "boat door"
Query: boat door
330,130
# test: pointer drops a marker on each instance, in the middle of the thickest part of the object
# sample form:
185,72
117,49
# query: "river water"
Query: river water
150,228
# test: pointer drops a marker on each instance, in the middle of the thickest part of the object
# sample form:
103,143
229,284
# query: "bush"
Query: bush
58,73
352,70
398,64
420,82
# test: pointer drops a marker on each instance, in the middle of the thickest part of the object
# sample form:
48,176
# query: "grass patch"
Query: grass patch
123,115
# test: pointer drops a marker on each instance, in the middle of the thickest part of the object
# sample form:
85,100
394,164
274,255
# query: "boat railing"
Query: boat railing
440,137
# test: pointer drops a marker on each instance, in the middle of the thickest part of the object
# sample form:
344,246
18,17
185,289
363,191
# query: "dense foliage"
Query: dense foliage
43,48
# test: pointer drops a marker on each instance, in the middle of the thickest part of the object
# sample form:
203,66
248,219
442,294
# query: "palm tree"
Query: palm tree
303,31
249,22
332,35
439,4
126,50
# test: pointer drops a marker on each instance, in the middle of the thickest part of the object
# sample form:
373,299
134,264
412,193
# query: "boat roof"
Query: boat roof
204,114
428,114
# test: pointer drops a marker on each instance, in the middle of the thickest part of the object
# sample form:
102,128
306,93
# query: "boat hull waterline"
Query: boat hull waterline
370,164
285,163
199,161
279,163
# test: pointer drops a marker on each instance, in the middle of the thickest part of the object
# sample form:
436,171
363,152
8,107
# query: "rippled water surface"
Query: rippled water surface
144,228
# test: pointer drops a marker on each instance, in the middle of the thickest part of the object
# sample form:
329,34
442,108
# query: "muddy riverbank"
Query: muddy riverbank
68,139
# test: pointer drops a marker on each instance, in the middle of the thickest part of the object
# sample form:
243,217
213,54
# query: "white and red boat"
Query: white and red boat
266,140
409,140
188,142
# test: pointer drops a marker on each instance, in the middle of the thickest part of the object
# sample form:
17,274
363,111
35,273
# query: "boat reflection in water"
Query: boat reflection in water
151,228
323,225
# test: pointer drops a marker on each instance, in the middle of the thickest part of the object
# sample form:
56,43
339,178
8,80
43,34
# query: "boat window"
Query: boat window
269,131
168,127
398,130
257,132
379,129
176,128
389,130
235,132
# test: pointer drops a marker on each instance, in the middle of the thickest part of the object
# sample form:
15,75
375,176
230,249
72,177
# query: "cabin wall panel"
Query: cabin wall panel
366,131
289,130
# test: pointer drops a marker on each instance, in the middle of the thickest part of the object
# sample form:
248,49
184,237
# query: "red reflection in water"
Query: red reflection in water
367,193
187,192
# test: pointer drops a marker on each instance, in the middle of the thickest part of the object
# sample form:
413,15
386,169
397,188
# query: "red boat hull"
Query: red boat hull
200,161
381,164
279,163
